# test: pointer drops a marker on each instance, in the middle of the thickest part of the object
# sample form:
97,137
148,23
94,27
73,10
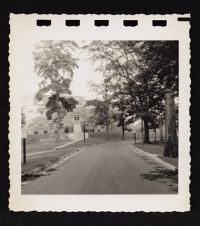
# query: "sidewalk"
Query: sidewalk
155,152
54,148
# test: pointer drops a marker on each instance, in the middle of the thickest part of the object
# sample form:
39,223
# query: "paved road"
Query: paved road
111,168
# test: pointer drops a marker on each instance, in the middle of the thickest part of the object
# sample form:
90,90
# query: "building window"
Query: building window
45,132
76,118
66,130
35,132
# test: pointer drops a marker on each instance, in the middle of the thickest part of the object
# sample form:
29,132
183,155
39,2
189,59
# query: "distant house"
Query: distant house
37,123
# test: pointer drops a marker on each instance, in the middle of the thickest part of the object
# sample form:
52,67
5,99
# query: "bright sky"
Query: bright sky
79,85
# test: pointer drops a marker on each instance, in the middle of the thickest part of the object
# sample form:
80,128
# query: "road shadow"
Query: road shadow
34,176
163,176
29,177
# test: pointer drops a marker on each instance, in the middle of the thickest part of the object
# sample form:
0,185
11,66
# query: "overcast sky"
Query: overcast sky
82,75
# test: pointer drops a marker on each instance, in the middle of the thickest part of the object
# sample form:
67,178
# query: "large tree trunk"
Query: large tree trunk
58,117
161,131
142,129
107,124
107,110
123,132
146,131
123,127
171,146
107,130
146,116
107,121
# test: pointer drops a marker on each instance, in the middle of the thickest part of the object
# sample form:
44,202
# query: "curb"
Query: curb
50,163
65,145
155,158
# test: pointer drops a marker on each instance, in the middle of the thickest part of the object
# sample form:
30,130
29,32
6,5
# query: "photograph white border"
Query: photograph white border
23,29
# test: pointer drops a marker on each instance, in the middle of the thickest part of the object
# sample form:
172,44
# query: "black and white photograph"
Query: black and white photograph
100,117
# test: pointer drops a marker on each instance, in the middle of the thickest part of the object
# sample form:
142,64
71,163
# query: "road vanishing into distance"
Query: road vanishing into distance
111,168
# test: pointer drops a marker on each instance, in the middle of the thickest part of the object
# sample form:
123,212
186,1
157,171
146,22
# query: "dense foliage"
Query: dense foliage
141,72
54,63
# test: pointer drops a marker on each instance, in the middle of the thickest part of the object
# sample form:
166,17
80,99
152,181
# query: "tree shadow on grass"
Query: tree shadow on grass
30,177
161,175
34,176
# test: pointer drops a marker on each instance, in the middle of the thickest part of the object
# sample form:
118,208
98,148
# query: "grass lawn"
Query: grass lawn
158,149
45,159
35,143
101,138
43,146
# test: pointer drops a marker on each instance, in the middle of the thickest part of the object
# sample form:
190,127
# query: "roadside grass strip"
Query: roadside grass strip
39,171
153,157
51,150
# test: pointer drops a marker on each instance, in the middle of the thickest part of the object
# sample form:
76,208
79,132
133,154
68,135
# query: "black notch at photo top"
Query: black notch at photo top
159,23
183,19
43,22
100,23
72,23
130,23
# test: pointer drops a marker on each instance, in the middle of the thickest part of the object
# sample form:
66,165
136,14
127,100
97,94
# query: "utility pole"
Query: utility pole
24,135
24,150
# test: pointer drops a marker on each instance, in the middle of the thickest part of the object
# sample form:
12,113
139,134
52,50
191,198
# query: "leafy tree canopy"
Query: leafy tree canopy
54,63
65,104
101,116
140,70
